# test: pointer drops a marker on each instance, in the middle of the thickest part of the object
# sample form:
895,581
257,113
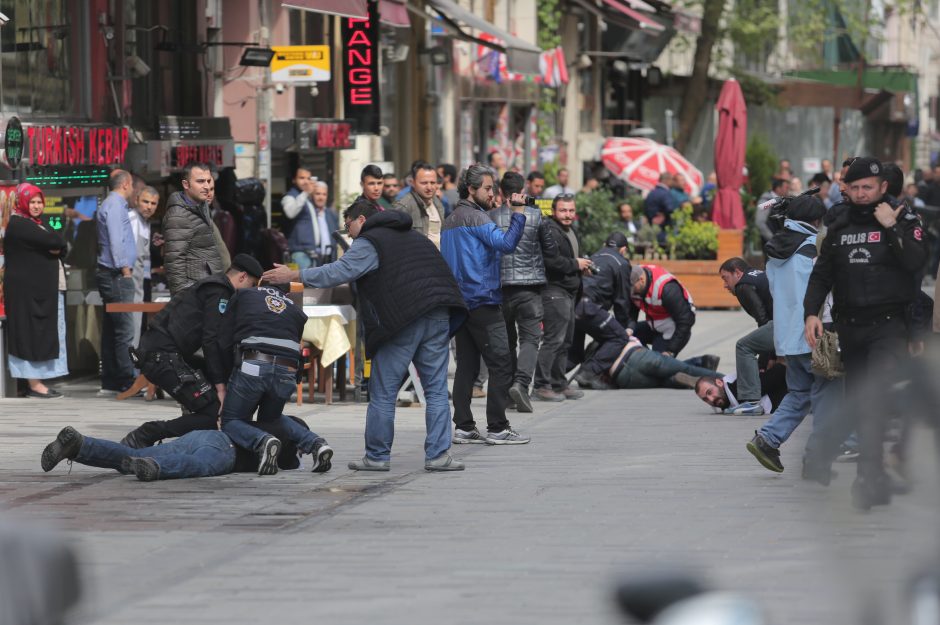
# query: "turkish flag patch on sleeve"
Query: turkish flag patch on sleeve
874,237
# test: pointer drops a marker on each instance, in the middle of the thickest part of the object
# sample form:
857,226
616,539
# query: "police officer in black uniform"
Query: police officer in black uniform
869,259
608,287
260,344
167,352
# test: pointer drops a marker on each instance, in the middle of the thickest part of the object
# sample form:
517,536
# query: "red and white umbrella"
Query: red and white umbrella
639,162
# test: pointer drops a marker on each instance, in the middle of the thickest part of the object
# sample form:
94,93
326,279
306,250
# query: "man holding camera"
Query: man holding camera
870,258
313,222
522,275
563,272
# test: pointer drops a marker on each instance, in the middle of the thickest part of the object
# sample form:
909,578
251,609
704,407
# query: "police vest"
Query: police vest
868,276
652,304
758,279
268,321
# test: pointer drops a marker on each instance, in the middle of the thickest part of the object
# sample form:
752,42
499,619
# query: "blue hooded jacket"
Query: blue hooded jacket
472,244
790,256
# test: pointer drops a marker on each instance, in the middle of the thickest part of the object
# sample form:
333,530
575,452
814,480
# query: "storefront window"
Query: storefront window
38,52
308,28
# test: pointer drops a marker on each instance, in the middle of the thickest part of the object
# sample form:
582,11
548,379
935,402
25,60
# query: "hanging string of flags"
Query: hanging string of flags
553,69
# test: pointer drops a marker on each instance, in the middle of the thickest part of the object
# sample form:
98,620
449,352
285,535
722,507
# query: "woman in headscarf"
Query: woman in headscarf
34,286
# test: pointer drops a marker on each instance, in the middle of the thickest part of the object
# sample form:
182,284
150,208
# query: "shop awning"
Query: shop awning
521,56
637,16
345,8
394,13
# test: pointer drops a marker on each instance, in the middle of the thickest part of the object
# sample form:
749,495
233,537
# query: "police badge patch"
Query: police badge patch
223,304
275,304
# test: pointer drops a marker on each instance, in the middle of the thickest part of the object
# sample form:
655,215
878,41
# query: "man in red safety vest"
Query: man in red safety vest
668,307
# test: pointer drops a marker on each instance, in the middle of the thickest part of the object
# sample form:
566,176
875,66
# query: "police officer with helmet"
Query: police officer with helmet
167,352
870,258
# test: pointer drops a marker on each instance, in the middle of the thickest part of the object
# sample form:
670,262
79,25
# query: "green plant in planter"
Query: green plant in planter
692,240
597,218
550,170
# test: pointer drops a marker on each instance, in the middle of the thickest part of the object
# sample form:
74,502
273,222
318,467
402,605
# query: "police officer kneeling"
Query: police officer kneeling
166,355
870,260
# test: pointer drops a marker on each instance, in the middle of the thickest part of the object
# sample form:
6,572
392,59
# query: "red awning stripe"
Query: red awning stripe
345,8
643,20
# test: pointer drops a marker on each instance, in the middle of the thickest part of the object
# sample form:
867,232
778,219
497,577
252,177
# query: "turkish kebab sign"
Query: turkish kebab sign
49,146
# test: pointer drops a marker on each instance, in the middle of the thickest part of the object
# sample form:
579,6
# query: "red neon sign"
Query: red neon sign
360,71
76,145
183,155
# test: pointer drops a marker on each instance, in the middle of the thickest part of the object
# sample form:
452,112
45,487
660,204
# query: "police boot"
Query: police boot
146,435
868,492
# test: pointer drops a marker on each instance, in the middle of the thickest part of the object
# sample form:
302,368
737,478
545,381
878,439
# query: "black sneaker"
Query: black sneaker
147,435
146,469
268,450
586,379
847,454
867,493
65,447
519,395
322,454
766,454
814,472
710,362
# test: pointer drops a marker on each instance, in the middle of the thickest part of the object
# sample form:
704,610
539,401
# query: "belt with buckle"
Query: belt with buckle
281,361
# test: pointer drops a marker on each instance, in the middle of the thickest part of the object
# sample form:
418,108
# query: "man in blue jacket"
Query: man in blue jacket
790,255
472,245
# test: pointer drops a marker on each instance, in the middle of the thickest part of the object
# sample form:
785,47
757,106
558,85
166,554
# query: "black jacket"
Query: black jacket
192,320
679,308
561,268
871,270
525,266
412,280
753,293
773,384
610,287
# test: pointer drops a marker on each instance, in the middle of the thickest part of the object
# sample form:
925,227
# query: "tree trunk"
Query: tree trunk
697,89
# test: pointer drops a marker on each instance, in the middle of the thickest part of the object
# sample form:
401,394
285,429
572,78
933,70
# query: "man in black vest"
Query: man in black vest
869,260
260,345
410,306
522,276
166,355
752,289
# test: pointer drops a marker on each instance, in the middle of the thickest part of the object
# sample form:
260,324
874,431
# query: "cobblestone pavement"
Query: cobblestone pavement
618,482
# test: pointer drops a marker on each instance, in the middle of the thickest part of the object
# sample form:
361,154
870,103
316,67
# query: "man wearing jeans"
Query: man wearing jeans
639,367
790,257
408,298
752,289
265,327
117,252
472,244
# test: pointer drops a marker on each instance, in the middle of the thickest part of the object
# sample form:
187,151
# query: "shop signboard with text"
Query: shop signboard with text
360,50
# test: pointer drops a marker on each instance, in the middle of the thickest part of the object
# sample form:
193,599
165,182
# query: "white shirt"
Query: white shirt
141,229
556,189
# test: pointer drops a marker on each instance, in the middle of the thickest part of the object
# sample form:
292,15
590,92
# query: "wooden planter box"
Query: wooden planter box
700,277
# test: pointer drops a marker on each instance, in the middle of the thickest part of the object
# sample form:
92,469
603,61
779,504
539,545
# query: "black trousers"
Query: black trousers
522,308
184,382
873,357
601,325
557,335
483,334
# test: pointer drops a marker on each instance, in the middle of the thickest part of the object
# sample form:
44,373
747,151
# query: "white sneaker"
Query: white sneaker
463,437
507,437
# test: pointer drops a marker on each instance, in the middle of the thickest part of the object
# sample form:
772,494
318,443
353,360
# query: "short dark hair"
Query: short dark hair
370,171
776,183
188,170
421,166
389,177
360,208
489,157
818,179
705,379
298,168
535,175
512,182
735,264
562,197
894,175
449,171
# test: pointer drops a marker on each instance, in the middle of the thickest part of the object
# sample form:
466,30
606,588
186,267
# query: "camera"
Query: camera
527,200
594,269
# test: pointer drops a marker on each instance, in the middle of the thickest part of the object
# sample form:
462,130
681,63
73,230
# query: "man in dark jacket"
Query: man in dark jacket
167,352
563,271
409,303
870,258
472,244
659,205
605,288
667,306
752,289
522,275
371,182
191,245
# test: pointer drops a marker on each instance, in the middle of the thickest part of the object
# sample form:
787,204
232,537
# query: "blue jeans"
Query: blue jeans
806,392
645,368
266,387
425,342
202,453
117,330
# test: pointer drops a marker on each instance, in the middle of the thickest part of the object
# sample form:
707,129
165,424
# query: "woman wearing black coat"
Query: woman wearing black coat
34,282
